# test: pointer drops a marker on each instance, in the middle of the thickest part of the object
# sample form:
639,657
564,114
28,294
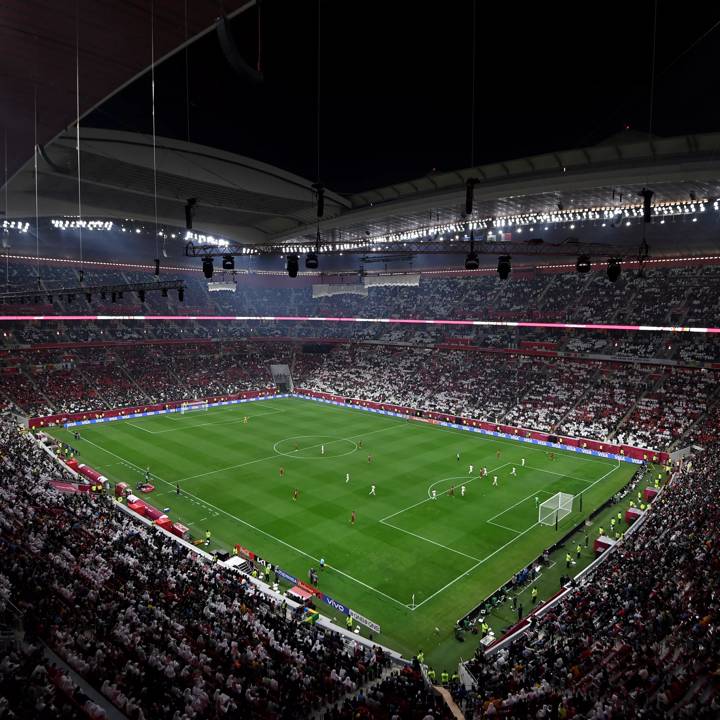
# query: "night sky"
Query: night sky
396,84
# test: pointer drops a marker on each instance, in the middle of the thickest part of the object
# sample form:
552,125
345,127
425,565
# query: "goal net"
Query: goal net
555,509
193,405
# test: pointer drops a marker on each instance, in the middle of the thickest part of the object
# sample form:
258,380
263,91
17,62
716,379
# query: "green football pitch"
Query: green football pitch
445,555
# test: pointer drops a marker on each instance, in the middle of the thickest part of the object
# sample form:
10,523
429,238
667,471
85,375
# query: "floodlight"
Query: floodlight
504,267
292,266
613,269
583,264
207,266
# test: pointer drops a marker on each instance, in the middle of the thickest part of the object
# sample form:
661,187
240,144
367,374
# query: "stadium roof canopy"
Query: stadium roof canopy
39,41
236,197
251,202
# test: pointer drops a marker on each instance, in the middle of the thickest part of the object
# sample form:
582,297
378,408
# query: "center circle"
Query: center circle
311,447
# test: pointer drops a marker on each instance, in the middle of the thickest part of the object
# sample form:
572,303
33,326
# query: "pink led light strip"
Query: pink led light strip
393,321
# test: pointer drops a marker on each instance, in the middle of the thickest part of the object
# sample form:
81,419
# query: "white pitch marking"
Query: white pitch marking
420,537
552,472
427,499
504,527
276,455
263,532
190,427
502,547
531,447
519,502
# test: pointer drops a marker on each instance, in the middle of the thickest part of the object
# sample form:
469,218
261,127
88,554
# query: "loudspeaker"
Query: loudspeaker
232,54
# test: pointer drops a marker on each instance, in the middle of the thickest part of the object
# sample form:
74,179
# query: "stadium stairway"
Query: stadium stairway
112,712
447,697
619,425
539,299
443,692
133,381
38,388
386,672
713,403
591,383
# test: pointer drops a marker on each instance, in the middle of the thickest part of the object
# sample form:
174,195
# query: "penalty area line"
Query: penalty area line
500,549
470,478
257,529
420,537
504,527
474,567
519,502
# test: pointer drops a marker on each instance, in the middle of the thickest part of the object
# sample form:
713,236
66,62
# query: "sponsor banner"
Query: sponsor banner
247,554
364,621
470,428
286,576
331,602
334,604
149,413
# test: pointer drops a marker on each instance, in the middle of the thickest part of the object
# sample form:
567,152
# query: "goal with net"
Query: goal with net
552,511
193,405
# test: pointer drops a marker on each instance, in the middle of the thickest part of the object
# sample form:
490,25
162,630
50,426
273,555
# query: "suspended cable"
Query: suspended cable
652,72
259,35
35,168
154,145
77,126
644,249
187,78
317,109
5,185
474,63
590,134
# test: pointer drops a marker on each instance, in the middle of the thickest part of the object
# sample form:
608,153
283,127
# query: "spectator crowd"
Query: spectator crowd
651,406
161,632
638,638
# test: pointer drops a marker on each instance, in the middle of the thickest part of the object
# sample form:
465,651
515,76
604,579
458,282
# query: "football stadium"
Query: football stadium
344,376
